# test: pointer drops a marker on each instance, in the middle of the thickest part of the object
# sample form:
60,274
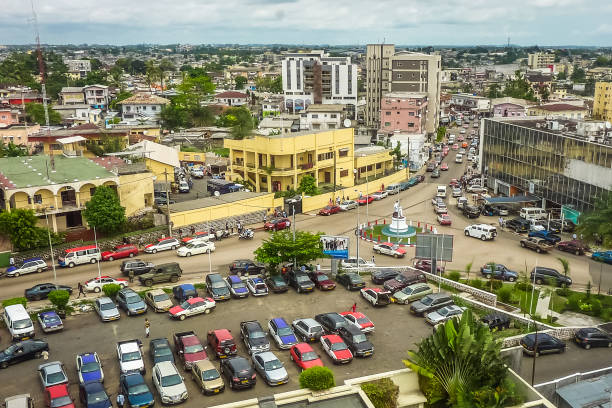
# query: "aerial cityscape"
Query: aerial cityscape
294,204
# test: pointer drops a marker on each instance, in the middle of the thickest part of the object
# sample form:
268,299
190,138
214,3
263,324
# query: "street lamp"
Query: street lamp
96,241
357,232
50,246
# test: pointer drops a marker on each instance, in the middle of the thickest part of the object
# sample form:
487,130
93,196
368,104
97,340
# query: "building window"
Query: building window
344,173
325,156
343,152
153,108
388,113
378,165
387,123
333,116
37,199
369,167
410,124
410,113
315,116
92,191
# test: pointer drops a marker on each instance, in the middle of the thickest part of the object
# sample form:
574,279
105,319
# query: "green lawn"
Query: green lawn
376,230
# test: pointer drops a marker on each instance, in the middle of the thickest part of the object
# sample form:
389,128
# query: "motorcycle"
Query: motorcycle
219,235
246,234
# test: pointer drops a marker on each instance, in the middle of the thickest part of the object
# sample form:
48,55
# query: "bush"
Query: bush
15,301
523,286
383,393
505,294
59,298
111,289
573,302
496,284
564,291
317,378
454,276
476,283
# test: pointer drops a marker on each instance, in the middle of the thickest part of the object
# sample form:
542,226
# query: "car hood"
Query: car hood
174,390
146,398
176,310
313,363
434,316
363,346
418,306
92,376
277,375
149,246
4,356
11,269
134,365
219,291
107,253
259,342
306,285
240,290
392,285
327,282
136,305
164,304
199,356
343,354
288,339
110,312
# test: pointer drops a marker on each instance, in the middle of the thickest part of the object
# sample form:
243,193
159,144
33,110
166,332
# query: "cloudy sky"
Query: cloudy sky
426,22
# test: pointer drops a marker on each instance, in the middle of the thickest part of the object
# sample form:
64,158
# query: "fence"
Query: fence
549,389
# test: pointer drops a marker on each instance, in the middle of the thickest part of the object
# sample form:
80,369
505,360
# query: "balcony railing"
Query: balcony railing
307,166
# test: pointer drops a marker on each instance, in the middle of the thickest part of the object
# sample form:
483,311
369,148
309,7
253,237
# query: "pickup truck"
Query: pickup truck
130,356
537,244
168,272
189,348
546,235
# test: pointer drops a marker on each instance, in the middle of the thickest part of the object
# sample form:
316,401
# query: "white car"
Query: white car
351,262
191,307
444,314
440,208
169,383
163,244
480,231
197,172
476,189
387,248
257,286
96,284
462,131
348,205
379,195
196,248
457,192
130,357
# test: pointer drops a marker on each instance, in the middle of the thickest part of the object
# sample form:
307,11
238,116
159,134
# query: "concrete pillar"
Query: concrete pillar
78,198
54,223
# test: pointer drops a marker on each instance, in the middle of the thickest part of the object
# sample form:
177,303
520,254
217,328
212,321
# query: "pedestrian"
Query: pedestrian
125,241
180,232
574,236
318,267
265,218
45,355
372,258
192,230
81,290
303,268
120,400
501,222
226,226
131,276
12,261
354,307
147,327
141,242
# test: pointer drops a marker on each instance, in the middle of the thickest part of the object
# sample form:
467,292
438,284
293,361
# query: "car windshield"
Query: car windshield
209,375
359,338
161,297
278,280
60,402
362,320
185,305
195,348
238,285
170,380
132,356
138,389
285,331
444,311
401,279
218,285
22,324
107,306
427,301
302,278
131,299
96,397
55,377
272,365
90,367
260,286
338,347
257,335
322,278
309,356
162,351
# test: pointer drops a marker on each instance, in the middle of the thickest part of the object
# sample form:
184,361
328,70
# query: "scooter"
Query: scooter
246,234
218,235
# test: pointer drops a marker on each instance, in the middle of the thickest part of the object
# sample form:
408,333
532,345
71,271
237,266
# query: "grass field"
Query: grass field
376,231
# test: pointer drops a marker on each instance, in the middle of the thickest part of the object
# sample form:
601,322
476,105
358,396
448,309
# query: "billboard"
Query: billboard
434,246
335,246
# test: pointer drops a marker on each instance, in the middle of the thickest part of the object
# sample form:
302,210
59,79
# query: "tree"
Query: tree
544,93
96,64
13,150
120,97
308,185
494,91
35,113
561,76
468,269
173,116
519,87
241,122
578,75
565,265
441,132
281,247
20,226
596,225
240,82
59,299
104,211
460,365
397,152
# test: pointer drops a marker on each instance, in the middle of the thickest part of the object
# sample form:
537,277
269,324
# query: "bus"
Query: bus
80,255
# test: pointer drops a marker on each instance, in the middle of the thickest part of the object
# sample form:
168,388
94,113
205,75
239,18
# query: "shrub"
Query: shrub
383,393
523,286
595,306
111,289
476,283
505,294
564,291
454,276
15,301
496,284
574,301
317,378
59,298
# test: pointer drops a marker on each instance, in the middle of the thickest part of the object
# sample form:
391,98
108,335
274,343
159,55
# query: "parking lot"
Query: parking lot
396,332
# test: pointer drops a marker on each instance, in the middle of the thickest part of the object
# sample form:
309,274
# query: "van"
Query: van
18,322
393,189
461,202
441,192
533,213
80,255
459,158
183,187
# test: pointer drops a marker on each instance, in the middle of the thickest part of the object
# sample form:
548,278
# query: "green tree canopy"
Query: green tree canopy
104,211
281,247
519,88
268,84
13,150
240,81
120,97
20,226
239,119
308,185
35,112
596,225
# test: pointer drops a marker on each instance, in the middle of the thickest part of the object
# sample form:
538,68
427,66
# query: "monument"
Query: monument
398,227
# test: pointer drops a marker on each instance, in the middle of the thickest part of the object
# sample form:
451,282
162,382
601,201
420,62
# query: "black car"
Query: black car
471,211
592,337
238,372
381,276
246,267
217,287
541,275
430,303
331,322
568,225
160,350
518,224
42,290
93,395
356,341
496,321
299,281
137,265
254,337
499,272
277,284
545,344
435,173
22,351
351,281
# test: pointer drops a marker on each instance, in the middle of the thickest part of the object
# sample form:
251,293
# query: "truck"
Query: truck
189,348
168,272
537,244
129,354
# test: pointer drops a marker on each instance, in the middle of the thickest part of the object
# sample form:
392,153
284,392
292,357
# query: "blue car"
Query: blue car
603,256
50,321
282,333
136,391
546,235
237,287
26,266
93,395
89,368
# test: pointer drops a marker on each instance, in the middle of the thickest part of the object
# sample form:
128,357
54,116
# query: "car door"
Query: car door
327,347
272,327
298,356
259,364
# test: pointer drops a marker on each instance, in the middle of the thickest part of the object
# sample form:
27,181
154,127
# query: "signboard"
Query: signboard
570,214
335,246
434,246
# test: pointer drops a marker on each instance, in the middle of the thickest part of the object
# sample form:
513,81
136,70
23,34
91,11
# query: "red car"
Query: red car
329,210
363,200
359,320
321,281
444,166
58,396
304,356
336,348
120,251
199,234
222,343
444,219
277,224
454,183
455,146
425,265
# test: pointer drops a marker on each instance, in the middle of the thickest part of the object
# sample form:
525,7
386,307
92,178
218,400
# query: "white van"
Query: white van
80,255
533,213
18,322
441,192
459,158
393,189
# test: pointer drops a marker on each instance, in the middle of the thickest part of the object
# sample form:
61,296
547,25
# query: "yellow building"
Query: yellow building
602,104
559,110
279,162
161,160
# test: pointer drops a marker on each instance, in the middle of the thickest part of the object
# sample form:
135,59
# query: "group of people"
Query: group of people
275,214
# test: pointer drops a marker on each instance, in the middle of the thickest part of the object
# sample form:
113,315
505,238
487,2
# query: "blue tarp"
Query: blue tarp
512,200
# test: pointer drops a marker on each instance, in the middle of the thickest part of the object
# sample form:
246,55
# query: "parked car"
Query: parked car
496,321
93,395
336,348
363,200
257,286
96,284
546,235
281,333
160,350
602,256
444,219
277,224
480,231
196,247
167,272
470,211
189,348
30,265
207,377
169,383
411,293
222,343
129,355
237,287
541,275
329,210
238,372
162,244
430,303
518,224
499,272
331,322
359,320
352,262
137,266
379,195
58,396
300,281
50,321
592,337
443,314
381,276
350,280
270,368
254,337
537,244
199,235
120,251
307,329
322,281
348,205
52,373
158,300
544,344
136,390
184,292
246,267
106,309
217,287
425,266
304,356
131,302
565,226
42,290
22,351
575,246
390,249
276,284
476,188
192,307
404,279
376,296
435,173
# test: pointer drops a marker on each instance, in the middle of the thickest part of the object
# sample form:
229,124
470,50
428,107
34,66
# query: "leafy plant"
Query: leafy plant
317,378
104,210
505,294
59,298
383,393
308,185
111,289
281,247
15,301
454,276
468,269
565,265
477,283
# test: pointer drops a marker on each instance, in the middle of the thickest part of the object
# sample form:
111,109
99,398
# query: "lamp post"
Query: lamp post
96,241
50,247
357,232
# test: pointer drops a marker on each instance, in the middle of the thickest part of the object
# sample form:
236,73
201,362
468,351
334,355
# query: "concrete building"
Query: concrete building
509,107
602,104
96,96
72,95
142,107
231,98
473,104
159,159
322,117
540,60
391,71
18,134
403,112
78,69
8,115
315,77
280,124
559,110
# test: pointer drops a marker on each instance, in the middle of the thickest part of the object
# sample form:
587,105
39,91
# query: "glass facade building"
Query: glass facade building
526,157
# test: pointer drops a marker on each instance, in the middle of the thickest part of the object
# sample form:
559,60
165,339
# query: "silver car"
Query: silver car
444,314
106,309
270,368
348,205
52,374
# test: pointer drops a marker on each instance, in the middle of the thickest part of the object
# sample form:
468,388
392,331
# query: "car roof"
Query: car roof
156,291
280,322
204,365
88,357
223,334
188,286
352,329
267,356
32,259
59,390
310,322
195,300
234,279
334,338
166,367
253,324
303,347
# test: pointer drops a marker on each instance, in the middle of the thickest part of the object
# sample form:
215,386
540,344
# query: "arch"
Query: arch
44,198
19,199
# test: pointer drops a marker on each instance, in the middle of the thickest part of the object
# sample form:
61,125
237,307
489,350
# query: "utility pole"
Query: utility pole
357,235
293,225
50,246
335,170
535,351
168,204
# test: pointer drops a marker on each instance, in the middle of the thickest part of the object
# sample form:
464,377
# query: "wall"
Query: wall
133,189
158,168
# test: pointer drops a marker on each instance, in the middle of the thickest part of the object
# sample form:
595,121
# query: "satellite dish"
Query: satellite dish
347,123
217,194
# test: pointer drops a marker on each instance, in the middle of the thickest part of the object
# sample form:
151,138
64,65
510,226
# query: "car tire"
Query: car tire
182,317
511,279
577,253
71,265
93,261
483,238
488,276
131,255
16,274
38,297
97,289
188,254
467,233
538,250
148,282
610,344
174,278
587,346
206,311
396,256
174,247
523,244
539,281
154,251
4,364
39,270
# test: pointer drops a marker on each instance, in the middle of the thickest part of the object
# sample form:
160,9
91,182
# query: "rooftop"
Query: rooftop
144,99
560,107
319,107
369,150
231,94
589,393
405,95
212,201
69,89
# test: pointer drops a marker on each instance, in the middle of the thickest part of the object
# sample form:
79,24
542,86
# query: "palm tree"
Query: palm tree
468,269
565,265
596,225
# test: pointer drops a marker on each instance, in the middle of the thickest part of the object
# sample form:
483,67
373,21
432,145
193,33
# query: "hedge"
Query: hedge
317,378
383,393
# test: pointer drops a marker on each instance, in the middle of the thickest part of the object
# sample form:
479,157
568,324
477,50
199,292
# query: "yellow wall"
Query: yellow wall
136,191
193,157
73,98
158,168
602,104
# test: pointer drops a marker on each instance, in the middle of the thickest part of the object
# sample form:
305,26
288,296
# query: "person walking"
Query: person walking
131,276
354,307
81,290
501,222
45,355
147,326
120,400
373,259
12,261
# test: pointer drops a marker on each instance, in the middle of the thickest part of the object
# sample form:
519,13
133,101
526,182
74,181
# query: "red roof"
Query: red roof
223,334
558,107
232,94
108,162
191,301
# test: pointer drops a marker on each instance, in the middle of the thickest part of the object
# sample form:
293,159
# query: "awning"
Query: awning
71,139
512,200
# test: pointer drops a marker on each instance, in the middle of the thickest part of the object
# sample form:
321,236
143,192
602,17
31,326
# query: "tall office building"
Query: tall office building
540,60
602,103
315,77
391,71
